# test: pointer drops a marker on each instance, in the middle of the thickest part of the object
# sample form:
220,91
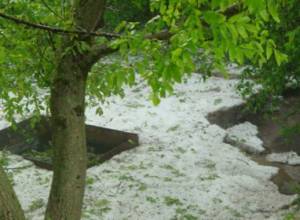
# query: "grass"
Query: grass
42,180
170,201
151,199
173,170
290,216
36,204
184,215
174,128
209,177
295,205
4,162
102,206
90,181
217,101
4,159
181,150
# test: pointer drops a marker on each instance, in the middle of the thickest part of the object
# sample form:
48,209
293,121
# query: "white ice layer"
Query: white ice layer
291,158
245,137
181,170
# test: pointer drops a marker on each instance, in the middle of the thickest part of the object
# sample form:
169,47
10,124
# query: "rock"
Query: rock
291,158
245,137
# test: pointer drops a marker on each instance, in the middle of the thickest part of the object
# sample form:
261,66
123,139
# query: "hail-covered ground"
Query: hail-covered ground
181,170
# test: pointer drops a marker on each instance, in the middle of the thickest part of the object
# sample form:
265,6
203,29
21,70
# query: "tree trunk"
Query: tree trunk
10,208
67,106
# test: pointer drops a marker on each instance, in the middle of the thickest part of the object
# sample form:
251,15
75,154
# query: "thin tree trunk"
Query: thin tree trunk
10,208
67,106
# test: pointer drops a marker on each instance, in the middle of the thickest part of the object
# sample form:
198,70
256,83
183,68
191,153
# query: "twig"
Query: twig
51,10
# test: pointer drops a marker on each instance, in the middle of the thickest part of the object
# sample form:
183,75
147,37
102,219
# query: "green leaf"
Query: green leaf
232,53
155,99
280,57
213,17
176,54
255,5
252,28
233,32
240,56
239,18
272,8
269,50
264,14
242,31
131,77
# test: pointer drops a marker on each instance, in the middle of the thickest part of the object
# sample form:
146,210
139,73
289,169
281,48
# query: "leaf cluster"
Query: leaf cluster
283,72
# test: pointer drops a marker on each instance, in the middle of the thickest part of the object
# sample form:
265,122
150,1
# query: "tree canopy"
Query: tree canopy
209,33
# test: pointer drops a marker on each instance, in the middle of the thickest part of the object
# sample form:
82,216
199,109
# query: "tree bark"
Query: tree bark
10,208
67,106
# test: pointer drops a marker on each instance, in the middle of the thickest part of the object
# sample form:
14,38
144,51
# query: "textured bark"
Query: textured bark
10,208
69,143
67,105
89,14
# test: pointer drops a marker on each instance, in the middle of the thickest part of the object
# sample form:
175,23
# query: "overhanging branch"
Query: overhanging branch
56,29
103,50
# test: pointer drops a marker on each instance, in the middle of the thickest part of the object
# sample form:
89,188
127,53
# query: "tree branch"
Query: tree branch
104,50
98,52
56,29
163,35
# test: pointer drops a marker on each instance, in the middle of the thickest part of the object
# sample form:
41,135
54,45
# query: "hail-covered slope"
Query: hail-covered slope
181,170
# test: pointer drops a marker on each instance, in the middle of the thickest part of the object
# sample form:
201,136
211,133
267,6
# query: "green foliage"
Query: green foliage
26,57
281,71
169,201
290,216
102,206
183,214
4,159
151,199
290,132
204,34
201,31
90,181
36,204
